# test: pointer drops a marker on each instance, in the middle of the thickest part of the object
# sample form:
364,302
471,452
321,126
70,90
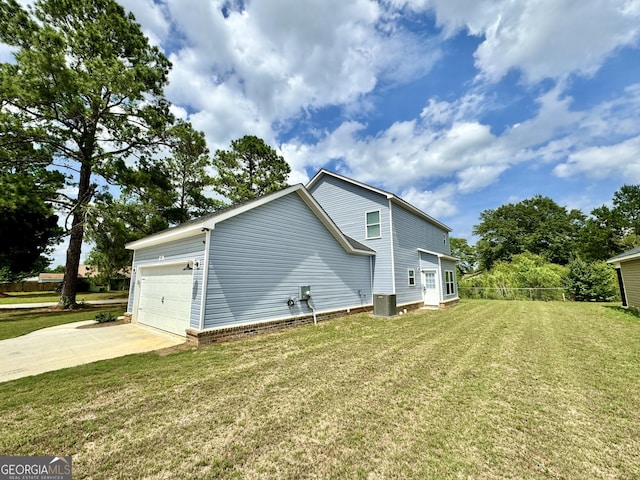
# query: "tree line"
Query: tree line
83,115
549,235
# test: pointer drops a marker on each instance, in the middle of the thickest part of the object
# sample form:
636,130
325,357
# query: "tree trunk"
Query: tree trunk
70,282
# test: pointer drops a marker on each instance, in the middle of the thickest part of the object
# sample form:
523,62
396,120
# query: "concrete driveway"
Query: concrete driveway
66,345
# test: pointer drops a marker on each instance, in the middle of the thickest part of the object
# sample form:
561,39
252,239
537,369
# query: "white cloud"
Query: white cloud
542,38
437,203
245,67
620,160
151,16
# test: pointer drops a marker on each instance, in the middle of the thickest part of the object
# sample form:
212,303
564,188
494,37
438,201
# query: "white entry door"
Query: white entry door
165,298
430,291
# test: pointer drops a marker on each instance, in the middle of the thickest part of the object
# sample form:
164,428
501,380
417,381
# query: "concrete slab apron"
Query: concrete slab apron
66,346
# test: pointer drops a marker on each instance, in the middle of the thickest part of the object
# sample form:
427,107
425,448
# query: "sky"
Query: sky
457,106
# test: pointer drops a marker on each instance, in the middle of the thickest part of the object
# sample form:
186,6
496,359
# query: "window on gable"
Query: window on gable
412,277
373,224
449,282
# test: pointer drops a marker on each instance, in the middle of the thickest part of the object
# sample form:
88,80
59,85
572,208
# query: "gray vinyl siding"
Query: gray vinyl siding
631,278
411,232
428,261
347,205
260,258
183,250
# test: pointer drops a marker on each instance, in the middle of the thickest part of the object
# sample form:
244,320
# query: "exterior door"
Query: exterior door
430,291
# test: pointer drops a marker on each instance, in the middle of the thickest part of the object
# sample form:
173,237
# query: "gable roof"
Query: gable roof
626,256
390,196
208,222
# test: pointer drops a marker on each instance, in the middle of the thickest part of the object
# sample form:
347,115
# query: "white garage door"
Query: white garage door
165,298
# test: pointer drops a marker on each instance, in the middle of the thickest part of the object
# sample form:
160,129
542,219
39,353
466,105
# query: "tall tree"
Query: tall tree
250,169
537,225
28,224
602,235
626,202
187,172
466,253
87,85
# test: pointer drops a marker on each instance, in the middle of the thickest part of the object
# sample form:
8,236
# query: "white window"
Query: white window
449,282
412,277
373,224
444,238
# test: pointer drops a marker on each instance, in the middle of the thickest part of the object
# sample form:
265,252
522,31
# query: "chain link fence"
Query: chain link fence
503,293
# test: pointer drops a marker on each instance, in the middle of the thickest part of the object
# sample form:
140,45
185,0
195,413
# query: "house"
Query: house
627,266
288,258
413,260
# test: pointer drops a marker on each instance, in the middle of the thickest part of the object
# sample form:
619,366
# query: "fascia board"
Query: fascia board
443,256
177,233
624,259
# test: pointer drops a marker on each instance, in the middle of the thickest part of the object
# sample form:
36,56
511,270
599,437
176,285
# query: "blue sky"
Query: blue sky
455,105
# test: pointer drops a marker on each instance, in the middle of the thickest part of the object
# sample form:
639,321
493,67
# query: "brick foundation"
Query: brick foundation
450,303
219,335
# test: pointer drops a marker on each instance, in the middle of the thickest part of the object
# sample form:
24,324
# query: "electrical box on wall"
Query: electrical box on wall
305,292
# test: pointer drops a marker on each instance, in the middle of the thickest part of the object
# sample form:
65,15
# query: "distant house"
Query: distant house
627,266
289,257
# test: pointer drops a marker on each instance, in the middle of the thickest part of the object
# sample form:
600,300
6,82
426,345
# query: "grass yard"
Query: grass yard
14,323
488,389
12,298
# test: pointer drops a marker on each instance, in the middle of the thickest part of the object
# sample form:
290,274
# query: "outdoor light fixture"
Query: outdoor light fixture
188,267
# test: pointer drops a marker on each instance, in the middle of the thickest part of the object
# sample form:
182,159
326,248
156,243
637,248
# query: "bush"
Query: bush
104,317
527,276
591,281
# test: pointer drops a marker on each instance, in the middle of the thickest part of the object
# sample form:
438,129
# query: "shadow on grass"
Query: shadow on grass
632,312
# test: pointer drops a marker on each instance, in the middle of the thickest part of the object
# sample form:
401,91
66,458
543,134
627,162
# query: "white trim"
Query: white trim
367,224
627,258
409,277
446,283
177,233
205,278
444,256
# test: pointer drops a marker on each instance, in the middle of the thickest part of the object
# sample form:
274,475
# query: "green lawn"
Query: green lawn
11,298
487,389
14,323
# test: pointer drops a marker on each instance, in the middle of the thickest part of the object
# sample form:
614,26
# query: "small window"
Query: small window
449,282
373,224
412,277
444,238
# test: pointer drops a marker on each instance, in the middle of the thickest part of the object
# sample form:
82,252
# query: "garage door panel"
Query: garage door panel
165,298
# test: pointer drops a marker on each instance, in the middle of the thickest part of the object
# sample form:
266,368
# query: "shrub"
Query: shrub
591,281
104,317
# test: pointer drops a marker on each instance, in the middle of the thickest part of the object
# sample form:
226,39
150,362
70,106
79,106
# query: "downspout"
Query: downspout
440,284
371,275
205,276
